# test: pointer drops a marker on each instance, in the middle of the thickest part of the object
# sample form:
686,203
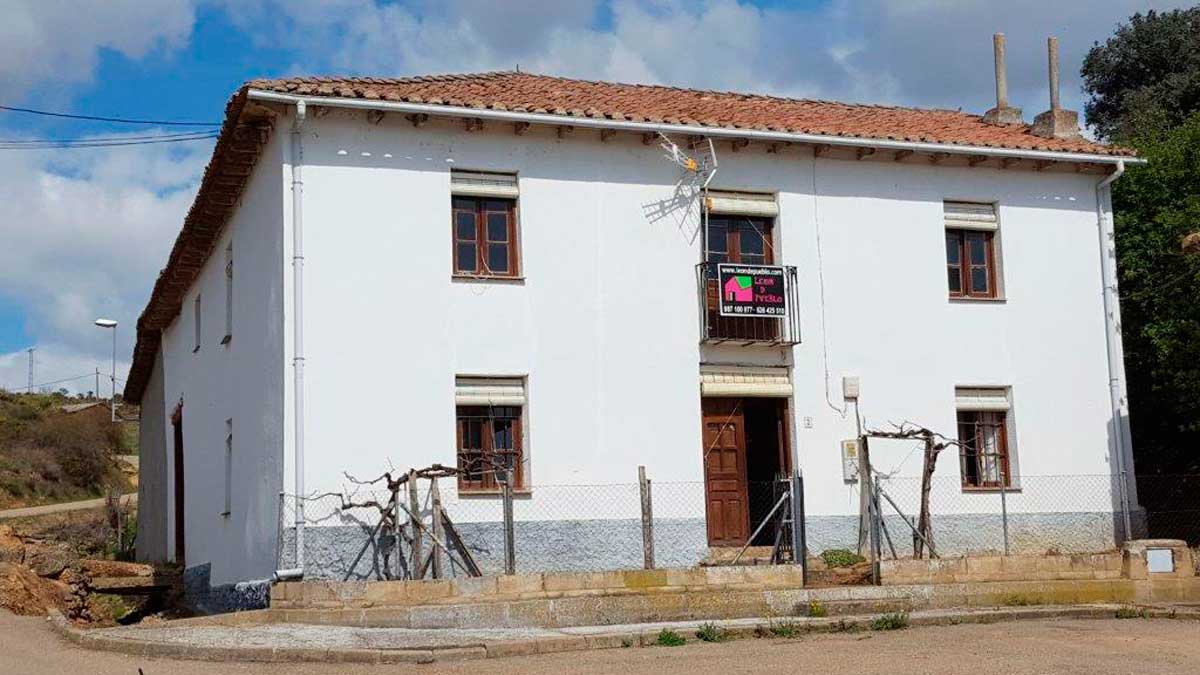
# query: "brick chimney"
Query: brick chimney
1003,113
1055,122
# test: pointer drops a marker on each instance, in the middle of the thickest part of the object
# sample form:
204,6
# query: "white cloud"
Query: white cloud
58,41
923,52
85,233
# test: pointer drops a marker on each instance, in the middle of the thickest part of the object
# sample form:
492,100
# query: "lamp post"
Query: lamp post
109,323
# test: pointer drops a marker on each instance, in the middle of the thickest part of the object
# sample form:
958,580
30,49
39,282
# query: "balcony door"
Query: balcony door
746,240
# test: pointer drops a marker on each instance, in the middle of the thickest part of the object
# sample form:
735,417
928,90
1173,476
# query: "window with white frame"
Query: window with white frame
489,412
228,294
972,268
228,467
196,323
985,451
484,224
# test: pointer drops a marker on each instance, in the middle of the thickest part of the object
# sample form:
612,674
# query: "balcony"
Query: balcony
747,330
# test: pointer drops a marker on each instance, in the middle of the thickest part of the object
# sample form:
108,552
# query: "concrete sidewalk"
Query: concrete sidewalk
247,640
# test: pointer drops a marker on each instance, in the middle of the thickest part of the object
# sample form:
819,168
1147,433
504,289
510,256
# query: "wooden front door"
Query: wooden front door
177,427
726,501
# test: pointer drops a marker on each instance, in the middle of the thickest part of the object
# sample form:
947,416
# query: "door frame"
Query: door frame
178,475
785,442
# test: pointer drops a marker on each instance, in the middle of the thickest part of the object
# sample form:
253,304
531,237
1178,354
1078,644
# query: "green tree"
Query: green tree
1156,205
1145,79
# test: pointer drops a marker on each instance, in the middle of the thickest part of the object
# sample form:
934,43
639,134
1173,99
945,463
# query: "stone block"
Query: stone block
687,577
513,648
460,653
519,583
384,593
430,590
482,615
436,616
1056,123
528,613
982,568
387,617
640,579
472,587
564,581
1020,566
561,644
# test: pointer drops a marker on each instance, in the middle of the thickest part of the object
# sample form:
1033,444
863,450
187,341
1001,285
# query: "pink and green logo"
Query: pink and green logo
738,289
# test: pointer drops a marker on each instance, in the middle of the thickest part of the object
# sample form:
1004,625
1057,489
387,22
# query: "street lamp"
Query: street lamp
109,323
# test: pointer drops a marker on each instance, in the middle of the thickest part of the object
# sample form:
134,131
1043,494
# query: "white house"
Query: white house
507,268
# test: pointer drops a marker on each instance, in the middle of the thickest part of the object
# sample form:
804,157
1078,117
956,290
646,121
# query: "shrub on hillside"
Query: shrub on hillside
81,444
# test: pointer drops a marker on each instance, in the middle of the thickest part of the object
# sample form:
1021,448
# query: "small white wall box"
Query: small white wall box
850,460
850,387
1160,560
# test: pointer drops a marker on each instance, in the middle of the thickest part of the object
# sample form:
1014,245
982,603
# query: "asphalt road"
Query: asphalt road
1091,647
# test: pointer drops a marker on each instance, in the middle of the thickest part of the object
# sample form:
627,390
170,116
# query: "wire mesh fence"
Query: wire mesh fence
1172,504
599,527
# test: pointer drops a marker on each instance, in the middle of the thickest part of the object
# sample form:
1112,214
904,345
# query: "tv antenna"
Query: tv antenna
697,162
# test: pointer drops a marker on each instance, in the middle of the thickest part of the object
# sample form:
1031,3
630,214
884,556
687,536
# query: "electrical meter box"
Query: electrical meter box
850,450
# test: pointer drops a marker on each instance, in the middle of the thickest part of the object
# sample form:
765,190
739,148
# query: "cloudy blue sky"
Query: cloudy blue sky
83,232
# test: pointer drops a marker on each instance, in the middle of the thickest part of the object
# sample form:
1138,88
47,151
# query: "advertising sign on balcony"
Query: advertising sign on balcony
752,291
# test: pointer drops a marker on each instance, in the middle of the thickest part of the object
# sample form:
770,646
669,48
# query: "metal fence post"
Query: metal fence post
799,537
279,531
510,553
1125,503
647,520
876,532
1004,509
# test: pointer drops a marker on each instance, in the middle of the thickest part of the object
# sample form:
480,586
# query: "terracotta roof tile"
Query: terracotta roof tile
599,100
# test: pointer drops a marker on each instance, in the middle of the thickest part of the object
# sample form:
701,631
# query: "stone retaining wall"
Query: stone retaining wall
1094,566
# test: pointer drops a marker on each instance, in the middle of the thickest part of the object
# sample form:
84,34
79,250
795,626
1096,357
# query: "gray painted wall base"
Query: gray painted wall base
346,552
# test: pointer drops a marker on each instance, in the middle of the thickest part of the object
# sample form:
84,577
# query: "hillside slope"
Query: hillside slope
50,455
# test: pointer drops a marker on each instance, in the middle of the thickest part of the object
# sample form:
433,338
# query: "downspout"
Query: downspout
1112,335
297,162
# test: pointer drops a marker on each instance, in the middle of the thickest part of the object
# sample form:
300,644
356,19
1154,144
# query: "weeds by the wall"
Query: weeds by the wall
1130,612
669,638
841,557
891,621
711,632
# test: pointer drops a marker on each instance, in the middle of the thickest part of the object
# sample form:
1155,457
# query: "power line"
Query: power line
104,144
117,120
96,139
66,379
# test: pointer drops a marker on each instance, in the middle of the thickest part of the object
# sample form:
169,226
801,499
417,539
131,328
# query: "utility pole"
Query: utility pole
29,383
97,389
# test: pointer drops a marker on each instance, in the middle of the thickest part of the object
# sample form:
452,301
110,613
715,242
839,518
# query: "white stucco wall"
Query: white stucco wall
242,381
153,445
612,378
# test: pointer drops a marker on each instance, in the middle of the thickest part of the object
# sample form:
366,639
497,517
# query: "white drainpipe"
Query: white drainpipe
1112,336
297,161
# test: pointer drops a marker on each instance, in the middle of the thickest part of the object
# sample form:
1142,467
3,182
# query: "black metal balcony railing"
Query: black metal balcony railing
747,330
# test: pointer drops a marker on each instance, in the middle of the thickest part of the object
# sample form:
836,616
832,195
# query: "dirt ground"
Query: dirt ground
1094,647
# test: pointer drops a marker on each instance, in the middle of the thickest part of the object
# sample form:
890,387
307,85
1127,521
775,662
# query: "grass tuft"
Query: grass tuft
669,638
841,557
1130,612
711,632
891,621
